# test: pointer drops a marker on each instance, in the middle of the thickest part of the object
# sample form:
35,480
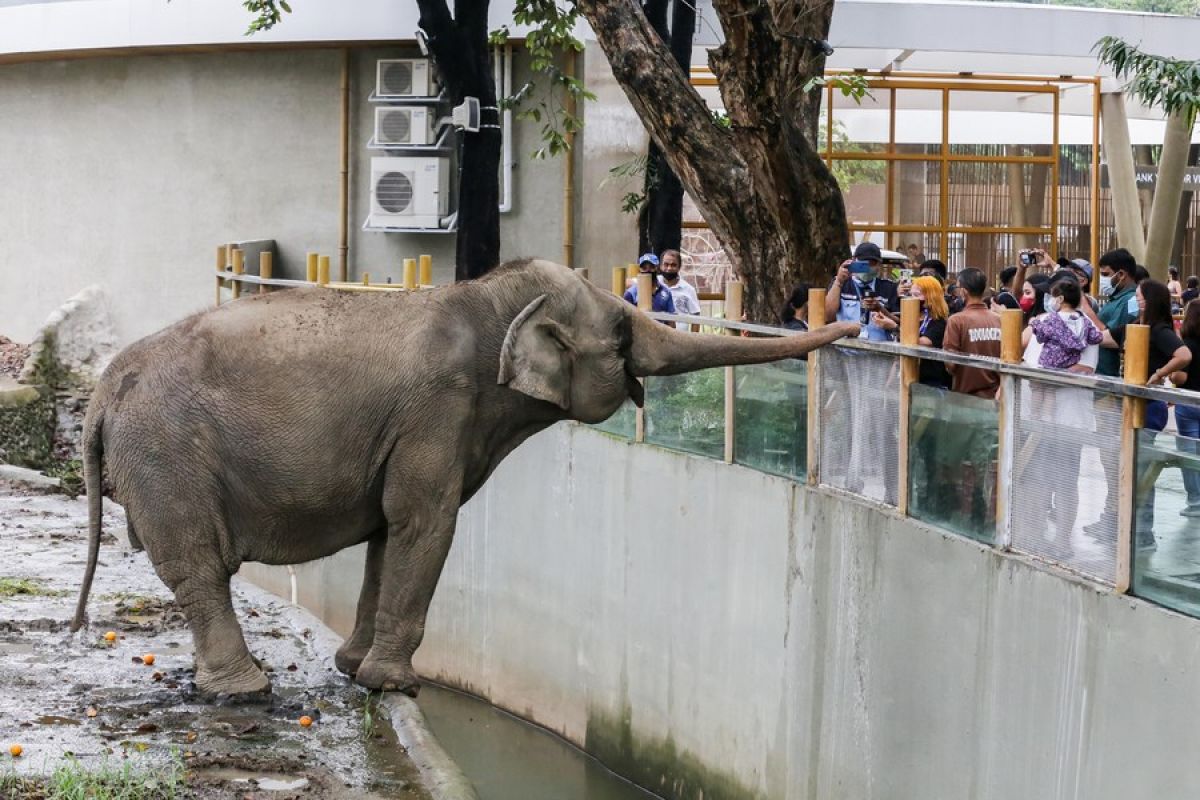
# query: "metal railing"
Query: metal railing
1035,471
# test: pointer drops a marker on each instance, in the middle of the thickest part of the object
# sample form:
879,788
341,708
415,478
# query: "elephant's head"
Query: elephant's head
583,349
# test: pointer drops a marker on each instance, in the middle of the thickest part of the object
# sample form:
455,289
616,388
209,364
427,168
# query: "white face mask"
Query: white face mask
1106,287
1052,304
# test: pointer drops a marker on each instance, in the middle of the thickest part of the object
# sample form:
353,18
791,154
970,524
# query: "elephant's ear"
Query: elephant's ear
537,355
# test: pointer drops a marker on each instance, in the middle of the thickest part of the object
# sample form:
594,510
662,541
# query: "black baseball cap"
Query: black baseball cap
868,251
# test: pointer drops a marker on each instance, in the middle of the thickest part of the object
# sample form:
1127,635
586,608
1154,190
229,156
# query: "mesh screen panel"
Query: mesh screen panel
860,418
1063,488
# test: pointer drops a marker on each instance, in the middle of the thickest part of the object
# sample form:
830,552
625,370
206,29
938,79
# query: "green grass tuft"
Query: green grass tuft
28,587
122,780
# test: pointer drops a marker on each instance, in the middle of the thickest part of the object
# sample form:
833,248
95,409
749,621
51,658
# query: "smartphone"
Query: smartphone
1028,259
860,266
906,275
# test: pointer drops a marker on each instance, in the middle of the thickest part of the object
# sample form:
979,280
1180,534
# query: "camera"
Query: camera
1027,258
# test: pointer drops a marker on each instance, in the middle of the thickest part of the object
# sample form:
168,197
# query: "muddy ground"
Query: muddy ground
64,694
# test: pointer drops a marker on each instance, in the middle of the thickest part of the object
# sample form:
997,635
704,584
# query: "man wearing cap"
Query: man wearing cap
661,300
857,291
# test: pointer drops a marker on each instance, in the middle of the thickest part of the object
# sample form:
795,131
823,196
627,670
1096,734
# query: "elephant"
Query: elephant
285,427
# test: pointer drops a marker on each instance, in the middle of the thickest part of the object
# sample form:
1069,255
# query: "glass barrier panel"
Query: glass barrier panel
623,423
954,440
771,417
687,412
1063,488
860,416
1166,561
864,190
916,194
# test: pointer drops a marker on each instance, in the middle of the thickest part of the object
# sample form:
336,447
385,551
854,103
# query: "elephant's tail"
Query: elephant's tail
93,454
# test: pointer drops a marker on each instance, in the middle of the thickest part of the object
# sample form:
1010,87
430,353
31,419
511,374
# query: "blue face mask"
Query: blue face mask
864,277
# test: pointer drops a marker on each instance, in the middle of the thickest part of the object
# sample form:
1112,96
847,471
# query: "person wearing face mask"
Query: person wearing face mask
1118,288
682,293
858,291
1168,355
1058,336
1063,333
661,300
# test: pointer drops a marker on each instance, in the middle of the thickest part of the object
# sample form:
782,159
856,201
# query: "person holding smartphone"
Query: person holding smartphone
858,291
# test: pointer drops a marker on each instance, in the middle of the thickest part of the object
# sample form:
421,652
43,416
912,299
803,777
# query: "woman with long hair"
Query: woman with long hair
1187,417
934,313
1168,355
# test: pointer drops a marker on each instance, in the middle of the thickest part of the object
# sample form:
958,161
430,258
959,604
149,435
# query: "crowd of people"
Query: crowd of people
1065,328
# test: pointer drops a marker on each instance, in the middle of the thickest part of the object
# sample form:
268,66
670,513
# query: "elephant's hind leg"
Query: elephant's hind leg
351,654
223,662
200,583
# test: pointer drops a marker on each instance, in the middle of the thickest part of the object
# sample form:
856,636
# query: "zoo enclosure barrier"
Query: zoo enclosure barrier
1060,467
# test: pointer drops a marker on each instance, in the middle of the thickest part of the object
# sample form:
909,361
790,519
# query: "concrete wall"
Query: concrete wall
706,627
128,171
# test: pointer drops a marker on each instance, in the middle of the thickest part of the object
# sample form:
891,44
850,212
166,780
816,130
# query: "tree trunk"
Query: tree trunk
459,47
661,226
1122,179
1168,190
761,185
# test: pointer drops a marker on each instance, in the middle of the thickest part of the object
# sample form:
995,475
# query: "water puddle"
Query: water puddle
508,759
268,782
51,719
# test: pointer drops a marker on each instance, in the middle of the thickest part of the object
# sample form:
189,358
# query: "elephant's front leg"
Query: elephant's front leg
352,652
412,562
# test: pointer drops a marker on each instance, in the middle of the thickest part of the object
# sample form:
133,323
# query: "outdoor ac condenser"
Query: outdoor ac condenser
404,77
404,125
409,191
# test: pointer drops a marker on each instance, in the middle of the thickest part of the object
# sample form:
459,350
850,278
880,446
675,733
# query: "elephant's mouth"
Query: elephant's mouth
637,392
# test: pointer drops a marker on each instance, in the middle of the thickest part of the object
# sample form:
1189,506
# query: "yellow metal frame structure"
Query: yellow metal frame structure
948,84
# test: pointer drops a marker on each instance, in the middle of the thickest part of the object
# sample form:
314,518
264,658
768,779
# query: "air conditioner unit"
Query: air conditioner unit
409,191
404,125
404,77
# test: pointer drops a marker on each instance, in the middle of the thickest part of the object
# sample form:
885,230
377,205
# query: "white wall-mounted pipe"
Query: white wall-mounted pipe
503,90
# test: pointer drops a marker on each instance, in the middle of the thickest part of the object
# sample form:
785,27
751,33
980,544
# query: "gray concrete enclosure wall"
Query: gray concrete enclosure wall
128,172
712,631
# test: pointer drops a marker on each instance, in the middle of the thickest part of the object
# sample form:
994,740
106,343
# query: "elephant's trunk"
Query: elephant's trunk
659,349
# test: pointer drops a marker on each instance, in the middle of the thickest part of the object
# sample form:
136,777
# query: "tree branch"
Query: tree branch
699,151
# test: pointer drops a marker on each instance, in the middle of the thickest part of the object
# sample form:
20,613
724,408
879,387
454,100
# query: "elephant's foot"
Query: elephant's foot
388,676
247,684
349,657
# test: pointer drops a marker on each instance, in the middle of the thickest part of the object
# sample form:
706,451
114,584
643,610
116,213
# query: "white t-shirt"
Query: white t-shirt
686,300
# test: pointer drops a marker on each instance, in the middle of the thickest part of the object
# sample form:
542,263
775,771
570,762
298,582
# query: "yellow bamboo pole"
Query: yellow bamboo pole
816,319
239,267
266,269
910,334
426,269
410,273
366,279
221,256
323,270
733,311
1133,418
311,268
631,272
618,281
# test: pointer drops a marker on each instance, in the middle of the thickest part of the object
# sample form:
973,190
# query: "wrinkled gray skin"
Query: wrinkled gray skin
285,427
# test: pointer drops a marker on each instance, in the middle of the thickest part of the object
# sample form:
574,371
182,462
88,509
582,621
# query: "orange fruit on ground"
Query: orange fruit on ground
16,750
305,722
111,636
148,659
